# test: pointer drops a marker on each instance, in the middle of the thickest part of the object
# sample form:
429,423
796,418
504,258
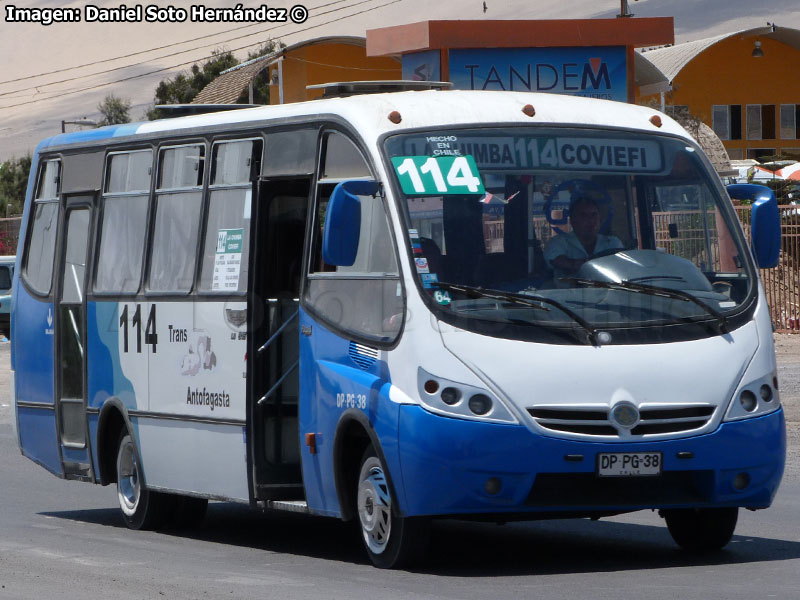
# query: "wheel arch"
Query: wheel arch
354,433
113,419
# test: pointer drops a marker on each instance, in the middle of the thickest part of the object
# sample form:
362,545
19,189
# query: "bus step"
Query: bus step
297,506
79,471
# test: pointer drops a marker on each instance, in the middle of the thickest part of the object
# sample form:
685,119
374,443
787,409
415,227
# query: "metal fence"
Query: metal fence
782,284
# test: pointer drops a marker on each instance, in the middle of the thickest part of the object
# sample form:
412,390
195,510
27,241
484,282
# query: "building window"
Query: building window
726,121
760,121
790,117
761,153
790,153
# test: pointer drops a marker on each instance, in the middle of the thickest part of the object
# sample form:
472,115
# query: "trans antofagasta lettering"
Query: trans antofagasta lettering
554,153
212,400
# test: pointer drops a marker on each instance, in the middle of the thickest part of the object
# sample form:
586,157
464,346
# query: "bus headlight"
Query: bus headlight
454,399
755,398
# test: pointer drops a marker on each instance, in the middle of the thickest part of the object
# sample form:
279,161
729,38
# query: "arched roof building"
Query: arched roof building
745,85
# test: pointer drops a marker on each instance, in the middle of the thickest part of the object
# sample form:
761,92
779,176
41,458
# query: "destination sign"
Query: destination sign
560,153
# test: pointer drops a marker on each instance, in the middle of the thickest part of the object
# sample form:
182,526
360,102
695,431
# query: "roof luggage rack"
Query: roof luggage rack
184,110
342,89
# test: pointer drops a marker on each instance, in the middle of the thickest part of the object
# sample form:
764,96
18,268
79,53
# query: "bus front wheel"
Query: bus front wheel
701,529
391,541
141,508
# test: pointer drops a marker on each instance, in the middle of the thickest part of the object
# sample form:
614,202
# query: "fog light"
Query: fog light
741,481
493,486
766,393
748,400
480,404
451,396
431,386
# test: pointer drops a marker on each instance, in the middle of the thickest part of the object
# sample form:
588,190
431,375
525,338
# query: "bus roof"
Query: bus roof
369,114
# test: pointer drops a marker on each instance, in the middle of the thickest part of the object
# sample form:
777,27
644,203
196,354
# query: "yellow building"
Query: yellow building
291,69
745,85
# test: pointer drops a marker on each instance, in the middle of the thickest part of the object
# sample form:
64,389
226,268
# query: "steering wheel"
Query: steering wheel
578,187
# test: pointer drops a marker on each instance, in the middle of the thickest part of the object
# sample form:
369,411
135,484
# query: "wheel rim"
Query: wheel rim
374,507
128,486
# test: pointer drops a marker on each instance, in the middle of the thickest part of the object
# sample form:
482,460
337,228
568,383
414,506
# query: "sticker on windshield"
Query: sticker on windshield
441,297
438,174
429,280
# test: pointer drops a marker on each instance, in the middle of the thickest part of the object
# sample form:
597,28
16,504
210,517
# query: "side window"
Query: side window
179,196
38,270
365,298
227,243
126,192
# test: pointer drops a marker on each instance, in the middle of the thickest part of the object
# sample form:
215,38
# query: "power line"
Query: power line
106,60
41,85
86,89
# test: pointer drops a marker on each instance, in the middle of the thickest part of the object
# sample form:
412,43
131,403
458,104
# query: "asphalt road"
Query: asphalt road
62,539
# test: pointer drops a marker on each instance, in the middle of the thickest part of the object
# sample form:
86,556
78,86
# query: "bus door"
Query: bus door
276,252
70,336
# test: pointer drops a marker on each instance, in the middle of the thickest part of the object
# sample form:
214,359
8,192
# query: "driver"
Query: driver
566,252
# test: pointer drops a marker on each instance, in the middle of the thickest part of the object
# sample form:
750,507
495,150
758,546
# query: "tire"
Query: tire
141,508
391,541
701,529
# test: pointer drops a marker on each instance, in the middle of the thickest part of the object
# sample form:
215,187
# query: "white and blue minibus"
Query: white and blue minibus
386,308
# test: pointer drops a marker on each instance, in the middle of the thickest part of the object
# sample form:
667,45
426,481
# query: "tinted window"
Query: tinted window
227,241
177,219
364,298
124,225
38,271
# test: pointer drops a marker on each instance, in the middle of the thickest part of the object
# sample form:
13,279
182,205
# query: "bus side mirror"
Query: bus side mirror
343,221
765,222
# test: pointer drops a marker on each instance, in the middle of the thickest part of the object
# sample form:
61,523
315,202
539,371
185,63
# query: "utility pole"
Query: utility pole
624,9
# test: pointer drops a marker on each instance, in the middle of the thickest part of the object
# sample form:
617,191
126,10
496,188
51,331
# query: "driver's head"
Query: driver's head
584,217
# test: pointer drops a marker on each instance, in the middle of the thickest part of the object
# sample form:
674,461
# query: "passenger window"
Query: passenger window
178,203
38,270
364,298
125,198
234,165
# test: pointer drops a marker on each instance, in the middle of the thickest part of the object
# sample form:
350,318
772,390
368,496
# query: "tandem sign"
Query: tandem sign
596,72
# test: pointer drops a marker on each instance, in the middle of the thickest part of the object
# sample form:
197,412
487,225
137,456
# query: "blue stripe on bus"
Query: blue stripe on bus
38,437
447,462
106,378
89,135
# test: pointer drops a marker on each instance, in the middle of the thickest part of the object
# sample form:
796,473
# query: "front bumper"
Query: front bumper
446,464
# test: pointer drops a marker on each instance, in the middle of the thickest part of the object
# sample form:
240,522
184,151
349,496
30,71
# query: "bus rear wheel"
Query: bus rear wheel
141,508
701,529
391,541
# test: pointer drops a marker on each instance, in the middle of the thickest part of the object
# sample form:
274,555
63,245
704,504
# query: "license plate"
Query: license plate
628,464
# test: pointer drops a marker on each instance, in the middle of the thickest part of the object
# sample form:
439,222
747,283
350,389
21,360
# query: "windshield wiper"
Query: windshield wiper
530,300
652,290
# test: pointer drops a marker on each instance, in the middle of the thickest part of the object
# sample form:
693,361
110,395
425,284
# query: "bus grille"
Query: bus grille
595,421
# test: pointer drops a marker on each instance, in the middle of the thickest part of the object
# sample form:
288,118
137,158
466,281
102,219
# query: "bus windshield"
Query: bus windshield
569,227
